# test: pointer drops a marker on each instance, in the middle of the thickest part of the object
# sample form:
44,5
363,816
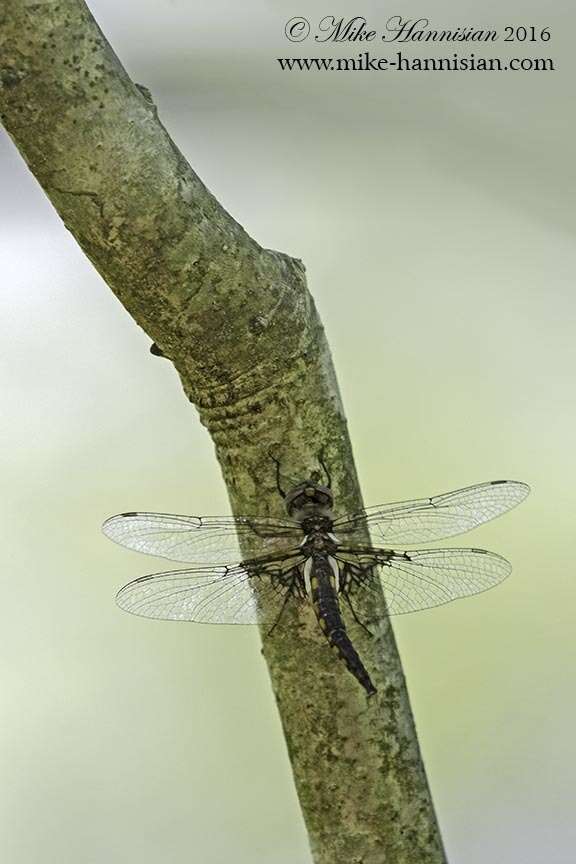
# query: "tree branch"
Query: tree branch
243,333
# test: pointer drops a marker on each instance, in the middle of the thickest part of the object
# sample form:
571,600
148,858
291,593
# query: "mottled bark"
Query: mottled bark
242,331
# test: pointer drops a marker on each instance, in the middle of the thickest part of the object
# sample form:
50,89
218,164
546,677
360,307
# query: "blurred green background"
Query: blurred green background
435,214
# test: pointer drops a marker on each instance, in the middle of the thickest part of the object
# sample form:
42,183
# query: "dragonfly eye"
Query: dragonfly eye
306,495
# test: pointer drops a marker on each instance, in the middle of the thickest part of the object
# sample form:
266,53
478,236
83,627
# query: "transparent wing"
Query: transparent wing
243,594
427,519
420,580
200,539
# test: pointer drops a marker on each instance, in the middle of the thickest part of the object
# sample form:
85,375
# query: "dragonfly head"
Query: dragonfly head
308,498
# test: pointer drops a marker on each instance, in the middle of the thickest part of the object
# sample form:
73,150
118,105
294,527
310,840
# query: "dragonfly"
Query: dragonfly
314,556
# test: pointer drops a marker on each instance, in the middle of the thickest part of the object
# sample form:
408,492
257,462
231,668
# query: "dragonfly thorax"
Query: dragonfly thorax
319,544
316,524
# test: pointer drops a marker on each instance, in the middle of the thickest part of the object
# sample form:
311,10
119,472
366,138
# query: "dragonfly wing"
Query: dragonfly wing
436,518
200,539
420,580
243,594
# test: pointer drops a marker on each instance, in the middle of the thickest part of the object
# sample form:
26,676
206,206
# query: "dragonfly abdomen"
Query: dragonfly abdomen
325,604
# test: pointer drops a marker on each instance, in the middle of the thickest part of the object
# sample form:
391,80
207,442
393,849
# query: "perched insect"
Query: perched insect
316,557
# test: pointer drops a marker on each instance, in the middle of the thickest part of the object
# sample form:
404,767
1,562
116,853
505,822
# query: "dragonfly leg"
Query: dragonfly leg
288,595
277,463
355,615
